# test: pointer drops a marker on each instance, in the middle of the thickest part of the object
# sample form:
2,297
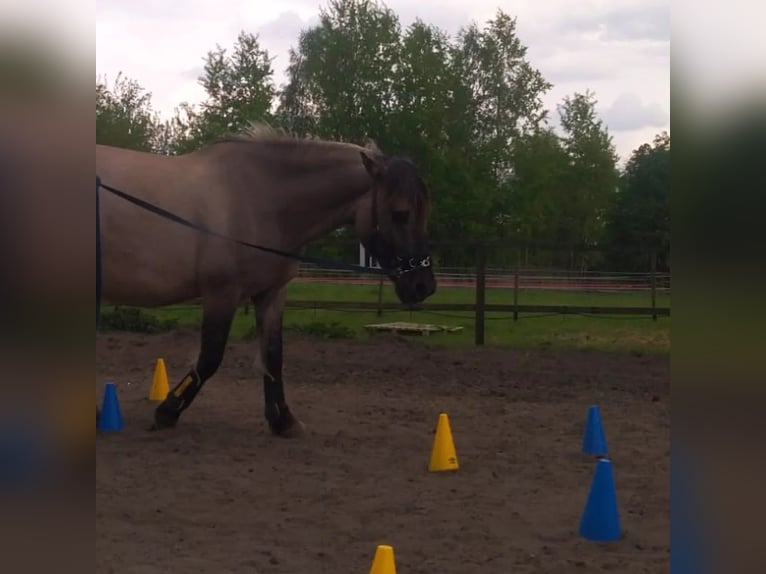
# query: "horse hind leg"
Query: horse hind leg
269,311
217,315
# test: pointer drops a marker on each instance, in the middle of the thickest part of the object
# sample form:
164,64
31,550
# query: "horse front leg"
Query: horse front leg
217,315
269,313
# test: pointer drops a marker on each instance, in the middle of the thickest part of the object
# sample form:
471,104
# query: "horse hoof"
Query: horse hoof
290,429
296,430
163,420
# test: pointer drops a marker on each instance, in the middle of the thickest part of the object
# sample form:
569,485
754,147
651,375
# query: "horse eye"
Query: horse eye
400,217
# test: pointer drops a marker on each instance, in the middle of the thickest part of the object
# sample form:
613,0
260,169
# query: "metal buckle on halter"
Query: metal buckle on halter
412,264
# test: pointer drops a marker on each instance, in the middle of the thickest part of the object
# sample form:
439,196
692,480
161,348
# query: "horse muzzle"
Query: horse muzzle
416,282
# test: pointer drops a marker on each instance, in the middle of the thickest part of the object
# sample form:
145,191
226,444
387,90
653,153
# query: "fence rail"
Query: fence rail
481,278
508,281
474,308
497,278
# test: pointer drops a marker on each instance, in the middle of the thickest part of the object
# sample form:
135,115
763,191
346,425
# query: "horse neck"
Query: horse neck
328,200
325,184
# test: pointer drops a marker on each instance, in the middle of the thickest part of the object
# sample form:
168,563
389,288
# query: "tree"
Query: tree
593,176
640,221
539,186
341,76
124,116
419,121
239,88
497,98
420,92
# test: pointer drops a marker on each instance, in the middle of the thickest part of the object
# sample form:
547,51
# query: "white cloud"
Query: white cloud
617,49
625,21
628,113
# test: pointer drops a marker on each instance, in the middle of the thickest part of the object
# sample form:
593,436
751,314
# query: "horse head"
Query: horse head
395,229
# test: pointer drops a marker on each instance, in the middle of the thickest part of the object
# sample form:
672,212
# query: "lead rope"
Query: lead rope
290,255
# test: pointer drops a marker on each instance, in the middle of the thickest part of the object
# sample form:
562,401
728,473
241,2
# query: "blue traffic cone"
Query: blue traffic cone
600,518
594,440
110,418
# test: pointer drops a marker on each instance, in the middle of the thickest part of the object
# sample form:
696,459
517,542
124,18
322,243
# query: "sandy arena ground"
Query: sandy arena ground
219,494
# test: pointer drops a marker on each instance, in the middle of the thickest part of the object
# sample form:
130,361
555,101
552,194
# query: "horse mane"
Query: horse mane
261,131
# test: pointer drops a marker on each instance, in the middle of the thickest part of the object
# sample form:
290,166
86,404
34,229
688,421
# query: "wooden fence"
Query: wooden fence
517,279
480,307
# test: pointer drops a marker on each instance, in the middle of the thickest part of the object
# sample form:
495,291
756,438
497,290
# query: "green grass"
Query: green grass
329,291
610,332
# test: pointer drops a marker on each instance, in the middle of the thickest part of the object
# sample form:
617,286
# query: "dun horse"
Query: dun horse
263,188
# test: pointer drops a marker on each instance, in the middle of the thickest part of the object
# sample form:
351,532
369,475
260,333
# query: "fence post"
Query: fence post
516,287
481,271
380,297
654,285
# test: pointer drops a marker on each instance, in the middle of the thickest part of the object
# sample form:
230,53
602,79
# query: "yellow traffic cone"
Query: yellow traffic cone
383,562
443,455
160,387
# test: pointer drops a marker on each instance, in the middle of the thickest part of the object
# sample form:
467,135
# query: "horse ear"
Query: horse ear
373,166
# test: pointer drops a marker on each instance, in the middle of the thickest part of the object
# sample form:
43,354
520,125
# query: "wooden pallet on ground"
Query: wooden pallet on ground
413,328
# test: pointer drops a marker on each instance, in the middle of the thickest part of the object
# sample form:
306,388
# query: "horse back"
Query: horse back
149,259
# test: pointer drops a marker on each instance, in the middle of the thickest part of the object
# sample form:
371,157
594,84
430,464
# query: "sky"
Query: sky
618,49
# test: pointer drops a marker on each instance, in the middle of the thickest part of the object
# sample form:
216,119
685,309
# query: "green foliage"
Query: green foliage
124,117
592,176
539,185
640,222
240,90
341,81
136,321
500,95
331,329
323,329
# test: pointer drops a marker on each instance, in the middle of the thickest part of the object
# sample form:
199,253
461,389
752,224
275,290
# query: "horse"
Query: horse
259,188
